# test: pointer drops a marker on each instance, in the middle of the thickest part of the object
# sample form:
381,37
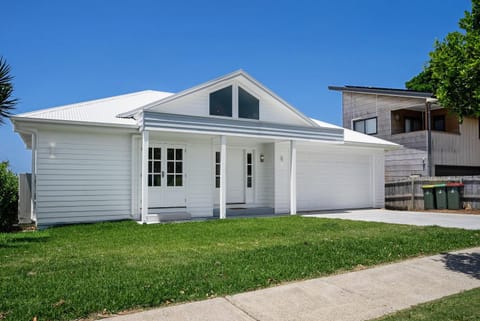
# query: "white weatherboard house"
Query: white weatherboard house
227,146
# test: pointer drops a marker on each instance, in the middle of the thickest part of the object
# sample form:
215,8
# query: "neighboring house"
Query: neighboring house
401,116
221,146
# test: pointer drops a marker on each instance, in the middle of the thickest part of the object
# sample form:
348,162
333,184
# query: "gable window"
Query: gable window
367,126
439,123
221,102
248,106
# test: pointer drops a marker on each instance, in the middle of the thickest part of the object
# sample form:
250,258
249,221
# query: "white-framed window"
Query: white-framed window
154,166
249,170
217,169
367,126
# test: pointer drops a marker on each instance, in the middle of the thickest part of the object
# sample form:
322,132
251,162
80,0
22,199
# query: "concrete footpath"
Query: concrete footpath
353,296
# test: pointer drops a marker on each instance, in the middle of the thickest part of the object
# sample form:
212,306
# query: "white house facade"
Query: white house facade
227,146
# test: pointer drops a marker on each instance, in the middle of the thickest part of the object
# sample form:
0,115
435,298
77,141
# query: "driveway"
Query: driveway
469,222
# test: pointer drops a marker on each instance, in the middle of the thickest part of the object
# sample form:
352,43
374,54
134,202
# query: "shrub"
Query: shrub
8,198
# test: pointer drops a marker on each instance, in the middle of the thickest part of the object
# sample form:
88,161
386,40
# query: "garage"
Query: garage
334,180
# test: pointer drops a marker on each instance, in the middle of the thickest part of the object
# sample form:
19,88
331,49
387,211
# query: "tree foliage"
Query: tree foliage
8,198
453,71
7,103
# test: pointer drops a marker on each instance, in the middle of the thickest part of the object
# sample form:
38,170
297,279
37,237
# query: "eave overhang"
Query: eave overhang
219,126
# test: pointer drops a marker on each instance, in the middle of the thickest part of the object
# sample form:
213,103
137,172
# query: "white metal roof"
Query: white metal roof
353,137
105,112
99,111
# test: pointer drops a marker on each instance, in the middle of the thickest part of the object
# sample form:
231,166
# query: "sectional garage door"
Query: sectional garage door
333,181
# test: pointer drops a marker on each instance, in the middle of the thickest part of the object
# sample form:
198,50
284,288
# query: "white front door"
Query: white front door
235,176
166,176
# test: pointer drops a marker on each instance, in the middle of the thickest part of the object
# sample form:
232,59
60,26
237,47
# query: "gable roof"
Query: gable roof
100,111
383,91
236,74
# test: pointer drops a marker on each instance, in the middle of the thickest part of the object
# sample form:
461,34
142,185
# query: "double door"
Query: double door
166,176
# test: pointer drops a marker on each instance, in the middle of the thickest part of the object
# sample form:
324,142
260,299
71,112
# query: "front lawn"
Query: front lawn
459,307
77,271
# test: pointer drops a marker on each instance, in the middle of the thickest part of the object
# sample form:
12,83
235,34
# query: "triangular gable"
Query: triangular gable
195,101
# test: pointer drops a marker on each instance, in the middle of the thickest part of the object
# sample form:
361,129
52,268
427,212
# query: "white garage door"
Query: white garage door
333,181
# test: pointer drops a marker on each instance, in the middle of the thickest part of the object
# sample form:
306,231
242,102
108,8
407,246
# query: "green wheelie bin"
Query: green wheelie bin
440,196
453,195
428,197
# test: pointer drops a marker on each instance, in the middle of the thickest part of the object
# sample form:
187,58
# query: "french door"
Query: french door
166,176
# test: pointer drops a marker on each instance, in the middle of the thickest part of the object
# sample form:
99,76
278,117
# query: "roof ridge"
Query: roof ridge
84,103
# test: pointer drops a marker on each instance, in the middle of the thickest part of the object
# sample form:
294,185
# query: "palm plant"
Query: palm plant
7,103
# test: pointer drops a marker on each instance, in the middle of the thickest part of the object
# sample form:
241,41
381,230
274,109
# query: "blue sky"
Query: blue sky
69,51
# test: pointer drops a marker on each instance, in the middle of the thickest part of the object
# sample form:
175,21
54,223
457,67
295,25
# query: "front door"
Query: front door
166,176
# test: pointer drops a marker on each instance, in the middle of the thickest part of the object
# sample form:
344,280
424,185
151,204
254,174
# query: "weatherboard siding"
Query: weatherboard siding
83,176
282,178
200,179
264,175
458,149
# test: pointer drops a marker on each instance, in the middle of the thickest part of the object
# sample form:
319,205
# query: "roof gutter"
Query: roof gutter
70,122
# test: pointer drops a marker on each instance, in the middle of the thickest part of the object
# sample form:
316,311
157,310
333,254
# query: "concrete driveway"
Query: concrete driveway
469,222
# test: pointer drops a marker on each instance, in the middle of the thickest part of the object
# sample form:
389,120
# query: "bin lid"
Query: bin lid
428,186
454,184
440,185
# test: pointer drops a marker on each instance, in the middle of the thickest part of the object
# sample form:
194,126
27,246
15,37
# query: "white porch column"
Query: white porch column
293,177
145,145
223,177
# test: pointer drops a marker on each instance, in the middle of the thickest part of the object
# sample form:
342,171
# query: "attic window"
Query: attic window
247,105
221,102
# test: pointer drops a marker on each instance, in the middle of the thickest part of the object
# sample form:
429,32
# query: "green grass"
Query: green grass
70,272
459,307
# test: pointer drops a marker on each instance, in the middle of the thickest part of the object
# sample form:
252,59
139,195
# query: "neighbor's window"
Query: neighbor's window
366,126
439,123
221,102
249,170
217,169
412,124
248,105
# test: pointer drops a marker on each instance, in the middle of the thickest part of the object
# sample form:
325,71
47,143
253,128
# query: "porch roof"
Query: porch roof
155,121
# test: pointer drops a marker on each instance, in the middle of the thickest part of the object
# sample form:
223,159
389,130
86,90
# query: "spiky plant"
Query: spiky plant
7,102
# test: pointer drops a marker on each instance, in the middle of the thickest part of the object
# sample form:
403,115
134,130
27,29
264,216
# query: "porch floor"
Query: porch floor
235,212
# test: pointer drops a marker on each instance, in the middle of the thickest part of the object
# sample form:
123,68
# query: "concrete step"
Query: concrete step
168,217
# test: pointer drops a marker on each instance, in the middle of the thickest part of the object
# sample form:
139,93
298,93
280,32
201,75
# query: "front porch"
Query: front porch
241,183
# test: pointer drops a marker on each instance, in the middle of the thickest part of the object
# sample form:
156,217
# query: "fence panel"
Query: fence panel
407,194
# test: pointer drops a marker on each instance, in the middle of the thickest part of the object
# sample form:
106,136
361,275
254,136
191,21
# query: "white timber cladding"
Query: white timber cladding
282,178
264,175
263,172
83,176
199,174
197,104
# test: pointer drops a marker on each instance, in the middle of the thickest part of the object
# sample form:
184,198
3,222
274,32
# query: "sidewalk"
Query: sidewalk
353,296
